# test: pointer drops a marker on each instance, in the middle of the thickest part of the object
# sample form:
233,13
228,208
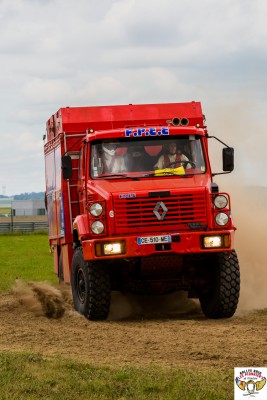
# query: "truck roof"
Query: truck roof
81,119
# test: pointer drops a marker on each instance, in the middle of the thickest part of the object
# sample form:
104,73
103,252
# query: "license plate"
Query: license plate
154,239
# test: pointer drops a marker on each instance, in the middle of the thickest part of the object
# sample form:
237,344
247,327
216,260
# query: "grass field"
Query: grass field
40,378
26,257
5,210
31,376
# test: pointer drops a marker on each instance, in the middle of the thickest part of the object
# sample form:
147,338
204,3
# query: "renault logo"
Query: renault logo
160,210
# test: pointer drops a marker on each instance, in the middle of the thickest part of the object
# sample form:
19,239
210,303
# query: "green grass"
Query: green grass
37,377
5,210
27,257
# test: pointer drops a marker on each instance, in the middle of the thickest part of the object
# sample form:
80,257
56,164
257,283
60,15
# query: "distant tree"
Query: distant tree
29,196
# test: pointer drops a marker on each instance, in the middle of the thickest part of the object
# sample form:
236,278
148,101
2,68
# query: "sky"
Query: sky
58,53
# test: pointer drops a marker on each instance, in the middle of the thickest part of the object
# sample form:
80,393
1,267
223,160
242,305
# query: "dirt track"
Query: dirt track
169,331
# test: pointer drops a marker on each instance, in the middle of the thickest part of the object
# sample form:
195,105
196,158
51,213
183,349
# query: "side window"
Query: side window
82,158
197,155
95,160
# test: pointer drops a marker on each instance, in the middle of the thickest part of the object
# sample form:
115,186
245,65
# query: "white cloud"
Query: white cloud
41,91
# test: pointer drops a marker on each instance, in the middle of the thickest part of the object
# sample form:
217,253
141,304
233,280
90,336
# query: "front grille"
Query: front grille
184,212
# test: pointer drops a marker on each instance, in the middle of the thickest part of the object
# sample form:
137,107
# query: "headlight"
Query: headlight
212,241
97,227
222,219
112,248
220,201
96,209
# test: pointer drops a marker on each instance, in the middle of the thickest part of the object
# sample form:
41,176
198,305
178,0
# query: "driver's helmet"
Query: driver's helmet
109,148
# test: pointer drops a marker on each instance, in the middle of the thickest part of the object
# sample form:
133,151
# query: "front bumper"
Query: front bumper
180,243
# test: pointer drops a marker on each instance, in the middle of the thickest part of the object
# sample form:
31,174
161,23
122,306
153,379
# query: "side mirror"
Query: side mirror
228,159
66,167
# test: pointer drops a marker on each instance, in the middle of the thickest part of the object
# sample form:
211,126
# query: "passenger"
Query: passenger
111,163
172,159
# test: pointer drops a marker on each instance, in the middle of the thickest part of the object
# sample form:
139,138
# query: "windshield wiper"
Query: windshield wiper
115,176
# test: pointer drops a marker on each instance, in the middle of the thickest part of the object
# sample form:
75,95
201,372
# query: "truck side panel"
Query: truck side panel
54,194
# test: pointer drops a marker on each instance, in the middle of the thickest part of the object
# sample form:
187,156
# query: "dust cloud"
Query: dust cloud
250,217
129,306
242,125
43,299
40,298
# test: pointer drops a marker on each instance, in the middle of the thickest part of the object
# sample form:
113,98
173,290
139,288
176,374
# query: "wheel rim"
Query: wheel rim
80,284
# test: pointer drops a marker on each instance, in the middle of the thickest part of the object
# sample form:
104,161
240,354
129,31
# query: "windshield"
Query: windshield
175,155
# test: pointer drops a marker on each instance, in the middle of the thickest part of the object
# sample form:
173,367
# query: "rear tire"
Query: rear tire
220,300
90,285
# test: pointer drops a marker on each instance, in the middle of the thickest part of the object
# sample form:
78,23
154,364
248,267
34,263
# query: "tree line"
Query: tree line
26,196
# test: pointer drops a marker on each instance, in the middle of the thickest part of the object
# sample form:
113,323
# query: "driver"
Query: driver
172,159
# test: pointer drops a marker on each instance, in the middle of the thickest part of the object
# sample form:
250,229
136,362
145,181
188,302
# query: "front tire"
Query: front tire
90,284
220,300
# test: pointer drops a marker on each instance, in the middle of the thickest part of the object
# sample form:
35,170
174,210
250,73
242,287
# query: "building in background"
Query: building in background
28,208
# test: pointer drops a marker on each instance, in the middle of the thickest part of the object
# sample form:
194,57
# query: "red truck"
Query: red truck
132,206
